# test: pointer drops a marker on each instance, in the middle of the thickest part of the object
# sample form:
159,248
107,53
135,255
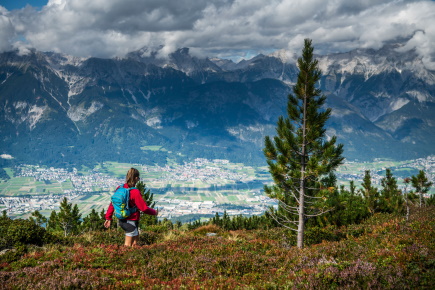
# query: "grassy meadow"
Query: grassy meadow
384,252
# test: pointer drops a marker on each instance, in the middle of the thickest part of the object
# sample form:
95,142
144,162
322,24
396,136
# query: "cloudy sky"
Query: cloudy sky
226,28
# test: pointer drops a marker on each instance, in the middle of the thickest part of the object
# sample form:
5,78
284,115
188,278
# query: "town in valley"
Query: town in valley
199,188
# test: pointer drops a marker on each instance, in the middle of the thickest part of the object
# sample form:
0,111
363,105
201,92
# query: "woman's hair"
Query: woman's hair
130,179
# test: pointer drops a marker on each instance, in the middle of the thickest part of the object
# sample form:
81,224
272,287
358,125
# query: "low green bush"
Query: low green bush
17,235
22,232
316,235
157,228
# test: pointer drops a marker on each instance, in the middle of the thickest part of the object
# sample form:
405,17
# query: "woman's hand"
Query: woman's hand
107,223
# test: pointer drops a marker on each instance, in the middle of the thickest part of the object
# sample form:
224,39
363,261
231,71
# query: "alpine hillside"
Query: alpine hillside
61,110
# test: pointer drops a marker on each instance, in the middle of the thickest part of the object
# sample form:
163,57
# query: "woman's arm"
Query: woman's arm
140,203
109,212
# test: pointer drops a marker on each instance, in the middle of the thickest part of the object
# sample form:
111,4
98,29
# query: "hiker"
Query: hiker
131,223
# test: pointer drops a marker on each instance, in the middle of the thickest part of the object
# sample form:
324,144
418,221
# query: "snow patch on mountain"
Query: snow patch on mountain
360,65
20,105
419,95
79,113
20,115
147,96
151,118
132,96
399,103
154,122
34,115
76,84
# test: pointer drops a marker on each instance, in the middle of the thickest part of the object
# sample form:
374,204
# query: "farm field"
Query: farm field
19,186
176,185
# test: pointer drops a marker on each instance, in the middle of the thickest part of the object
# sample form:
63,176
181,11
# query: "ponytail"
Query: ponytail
131,177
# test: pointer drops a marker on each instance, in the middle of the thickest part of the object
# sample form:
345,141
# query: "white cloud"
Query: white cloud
108,28
7,31
6,156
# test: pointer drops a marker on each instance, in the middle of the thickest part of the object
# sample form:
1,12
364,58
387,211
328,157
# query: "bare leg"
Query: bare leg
128,241
131,241
135,240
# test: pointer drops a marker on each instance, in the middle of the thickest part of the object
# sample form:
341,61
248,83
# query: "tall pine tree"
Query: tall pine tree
370,193
392,200
421,184
300,154
68,217
148,197
93,222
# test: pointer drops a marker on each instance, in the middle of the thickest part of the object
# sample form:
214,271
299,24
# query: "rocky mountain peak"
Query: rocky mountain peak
81,109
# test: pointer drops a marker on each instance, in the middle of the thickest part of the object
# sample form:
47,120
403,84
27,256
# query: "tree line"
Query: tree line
346,206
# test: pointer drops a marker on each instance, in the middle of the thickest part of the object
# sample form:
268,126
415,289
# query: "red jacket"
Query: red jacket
135,200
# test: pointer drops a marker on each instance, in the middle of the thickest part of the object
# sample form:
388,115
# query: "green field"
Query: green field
220,188
115,169
89,202
9,172
153,148
18,186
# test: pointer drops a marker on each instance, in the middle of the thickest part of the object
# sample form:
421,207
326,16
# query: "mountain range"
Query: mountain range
60,110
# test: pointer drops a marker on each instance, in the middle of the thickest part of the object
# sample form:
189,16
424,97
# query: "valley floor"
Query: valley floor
201,188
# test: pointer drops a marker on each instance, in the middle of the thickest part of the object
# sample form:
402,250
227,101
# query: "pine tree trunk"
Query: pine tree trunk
301,224
421,198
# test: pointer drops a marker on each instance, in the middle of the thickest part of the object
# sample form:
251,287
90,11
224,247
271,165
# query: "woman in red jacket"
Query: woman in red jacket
130,224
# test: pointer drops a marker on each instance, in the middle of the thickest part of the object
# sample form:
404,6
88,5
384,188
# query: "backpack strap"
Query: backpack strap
129,189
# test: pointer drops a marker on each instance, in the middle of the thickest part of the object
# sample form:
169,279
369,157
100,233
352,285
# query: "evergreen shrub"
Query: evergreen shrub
316,235
17,235
22,232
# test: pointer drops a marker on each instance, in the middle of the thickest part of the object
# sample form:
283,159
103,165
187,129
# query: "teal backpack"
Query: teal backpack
120,202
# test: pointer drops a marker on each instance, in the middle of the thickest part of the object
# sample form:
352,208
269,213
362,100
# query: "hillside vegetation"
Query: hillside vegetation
385,251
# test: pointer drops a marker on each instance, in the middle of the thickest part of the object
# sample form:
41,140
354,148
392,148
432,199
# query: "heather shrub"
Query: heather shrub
157,228
385,252
148,237
316,235
109,237
203,230
353,230
313,235
13,254
281,235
